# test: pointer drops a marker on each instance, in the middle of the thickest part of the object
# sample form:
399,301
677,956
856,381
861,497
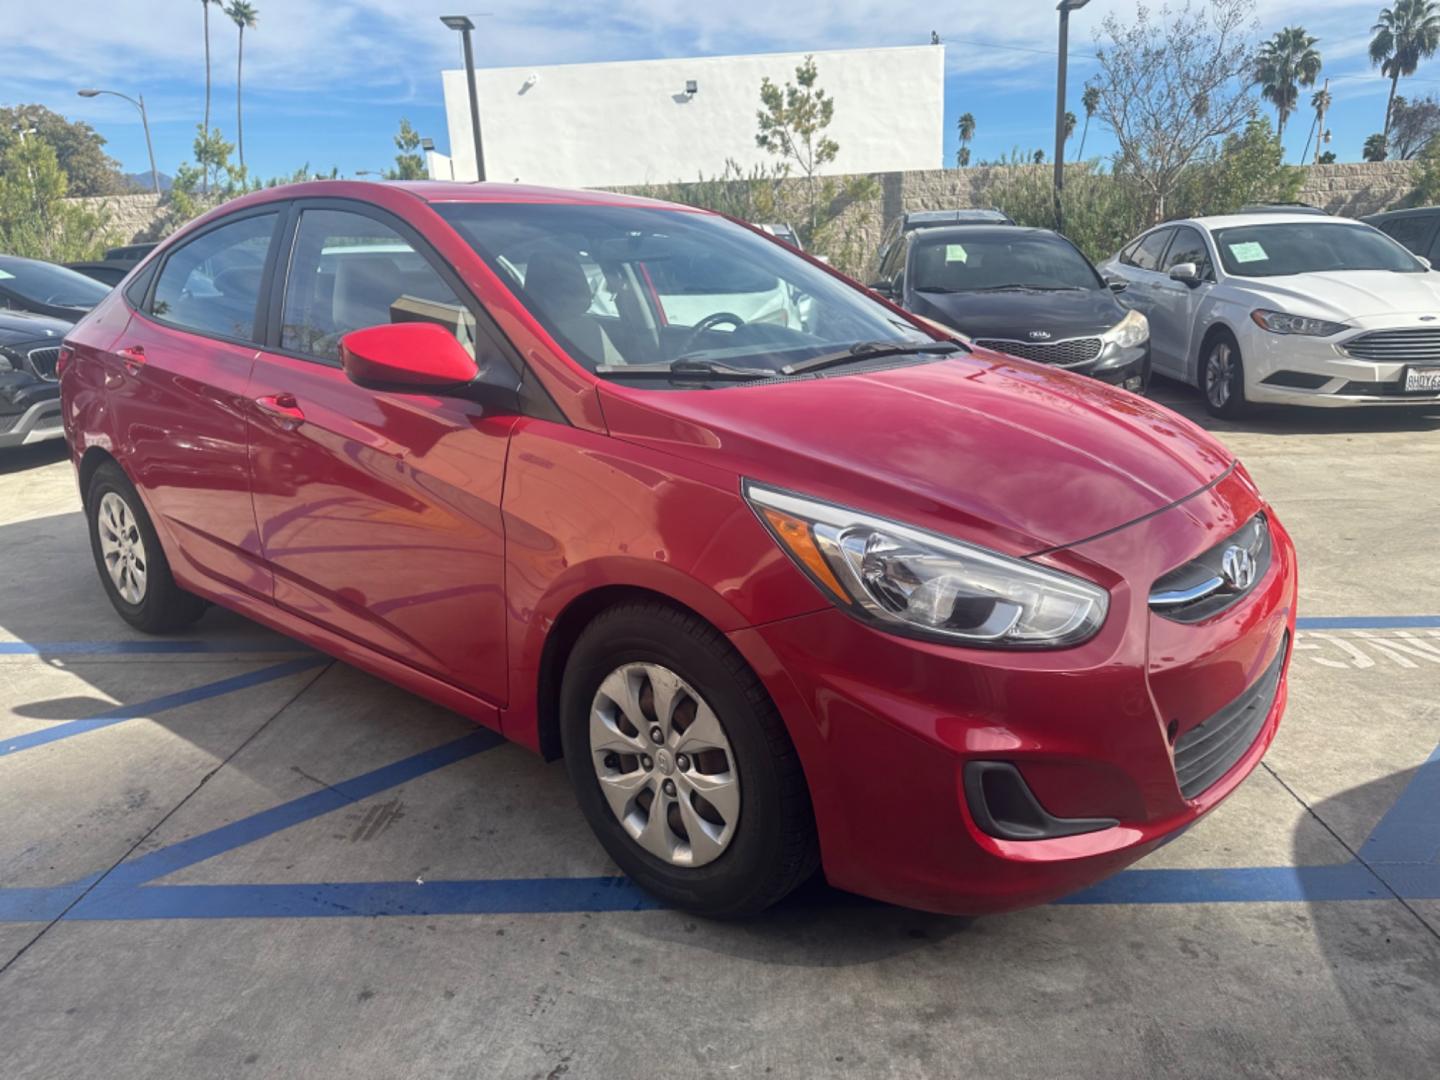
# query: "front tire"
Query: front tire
133,568
1222,378
681,763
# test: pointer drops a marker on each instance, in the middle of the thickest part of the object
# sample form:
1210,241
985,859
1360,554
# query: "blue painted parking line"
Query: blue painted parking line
150,648
1410,832
1368,622
121,713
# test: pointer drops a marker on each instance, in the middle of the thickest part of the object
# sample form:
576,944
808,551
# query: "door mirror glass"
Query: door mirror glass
881,287
1187,272
415,357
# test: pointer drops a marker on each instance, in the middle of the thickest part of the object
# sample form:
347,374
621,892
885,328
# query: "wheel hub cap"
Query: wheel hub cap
685,816
122,547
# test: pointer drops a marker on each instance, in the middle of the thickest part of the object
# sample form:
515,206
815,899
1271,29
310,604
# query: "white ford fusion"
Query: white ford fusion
1297,309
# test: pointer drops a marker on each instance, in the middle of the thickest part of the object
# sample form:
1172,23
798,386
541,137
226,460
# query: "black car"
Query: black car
106,271
1026,292
130,253
935,219
47,289
29,389
1418,229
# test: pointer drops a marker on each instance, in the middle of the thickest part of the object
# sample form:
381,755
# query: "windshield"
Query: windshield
629,291
1310,248
957,261
46,283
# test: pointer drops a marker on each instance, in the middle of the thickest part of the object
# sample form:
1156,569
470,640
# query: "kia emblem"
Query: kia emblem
1039,335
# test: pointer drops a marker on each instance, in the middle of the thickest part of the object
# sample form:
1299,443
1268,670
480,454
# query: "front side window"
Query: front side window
348,272
1310,248
1148,252
623,288
1188,247
212,284
972,261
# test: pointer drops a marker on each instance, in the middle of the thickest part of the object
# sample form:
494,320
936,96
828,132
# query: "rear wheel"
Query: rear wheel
132,566
1222,377
682,764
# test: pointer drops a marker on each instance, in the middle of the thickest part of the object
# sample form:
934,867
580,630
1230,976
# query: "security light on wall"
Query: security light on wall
427,144
691,87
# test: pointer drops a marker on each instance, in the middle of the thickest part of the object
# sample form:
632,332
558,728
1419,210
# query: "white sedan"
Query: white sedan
1286,308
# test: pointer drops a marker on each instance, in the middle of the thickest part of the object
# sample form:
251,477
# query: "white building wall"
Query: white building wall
613,124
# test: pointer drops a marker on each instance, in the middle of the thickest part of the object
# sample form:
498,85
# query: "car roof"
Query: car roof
1267,217
1406,211
995,229
959,215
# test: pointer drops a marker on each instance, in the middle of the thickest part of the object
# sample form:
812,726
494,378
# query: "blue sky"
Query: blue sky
327,81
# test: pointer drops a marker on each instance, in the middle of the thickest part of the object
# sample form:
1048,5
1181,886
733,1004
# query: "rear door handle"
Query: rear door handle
133,356
283,409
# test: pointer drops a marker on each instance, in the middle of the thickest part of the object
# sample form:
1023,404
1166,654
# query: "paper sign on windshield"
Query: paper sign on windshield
4,276
955,253
1248,252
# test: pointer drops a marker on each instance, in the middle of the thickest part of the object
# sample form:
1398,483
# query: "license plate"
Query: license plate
1422,380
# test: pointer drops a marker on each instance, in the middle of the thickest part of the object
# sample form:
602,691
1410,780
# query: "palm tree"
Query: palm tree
967,132
205,4
1321,103
1285,63
243,15
1069,124
1405,34
1091,100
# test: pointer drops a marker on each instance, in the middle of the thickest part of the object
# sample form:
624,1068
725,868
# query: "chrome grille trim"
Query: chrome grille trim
42,362
1065,353
1418,343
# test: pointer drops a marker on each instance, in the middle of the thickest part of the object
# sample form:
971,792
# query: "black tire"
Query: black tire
161,606
773,848
1222,377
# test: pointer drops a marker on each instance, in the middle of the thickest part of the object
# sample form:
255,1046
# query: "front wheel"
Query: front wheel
681,763
1222,378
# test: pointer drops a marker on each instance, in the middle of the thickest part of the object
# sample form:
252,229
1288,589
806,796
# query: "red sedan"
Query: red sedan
788,578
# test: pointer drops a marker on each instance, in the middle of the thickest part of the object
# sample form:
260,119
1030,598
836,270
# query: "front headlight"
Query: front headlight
1132,330
1278,322
913,582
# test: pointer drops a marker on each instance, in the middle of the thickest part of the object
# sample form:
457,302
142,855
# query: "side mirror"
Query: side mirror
1116,284
413,357
1188,273
1424,261
881,287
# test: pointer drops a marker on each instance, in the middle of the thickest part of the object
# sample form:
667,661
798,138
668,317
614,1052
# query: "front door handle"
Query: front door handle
133,357
283,409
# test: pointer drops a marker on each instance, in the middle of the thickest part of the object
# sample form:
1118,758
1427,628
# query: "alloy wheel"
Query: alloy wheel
1219,374
664,764
122,547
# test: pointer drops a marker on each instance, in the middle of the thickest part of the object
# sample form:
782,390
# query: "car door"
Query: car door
379,513
177,381
1175,305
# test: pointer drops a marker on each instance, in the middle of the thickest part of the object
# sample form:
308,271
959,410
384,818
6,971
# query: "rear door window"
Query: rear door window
211,284
1148,252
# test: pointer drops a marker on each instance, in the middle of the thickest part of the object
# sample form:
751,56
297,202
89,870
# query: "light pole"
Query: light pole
144,121
1064,7
464,25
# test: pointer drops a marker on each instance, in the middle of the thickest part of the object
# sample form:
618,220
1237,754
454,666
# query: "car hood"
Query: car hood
1016,456
22,326
1347,294
1014,315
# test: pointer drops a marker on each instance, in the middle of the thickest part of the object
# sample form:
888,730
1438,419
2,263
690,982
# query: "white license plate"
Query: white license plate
1422,380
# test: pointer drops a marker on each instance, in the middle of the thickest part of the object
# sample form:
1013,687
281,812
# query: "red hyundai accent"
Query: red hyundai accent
786,577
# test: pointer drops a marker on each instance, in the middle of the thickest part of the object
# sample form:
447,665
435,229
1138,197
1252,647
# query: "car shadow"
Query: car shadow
1294,419
20,458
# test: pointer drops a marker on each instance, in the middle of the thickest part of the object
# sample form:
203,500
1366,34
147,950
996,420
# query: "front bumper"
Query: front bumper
887,727
1291,369
29,412
1129,368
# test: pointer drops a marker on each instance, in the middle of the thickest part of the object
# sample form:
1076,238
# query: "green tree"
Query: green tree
792,127
79,148
1427,183
243,15
1091,101
1404,35
1327,158
967,132
36,221
1374,149
1286,62
408,164
1320,101
1413,126
212,155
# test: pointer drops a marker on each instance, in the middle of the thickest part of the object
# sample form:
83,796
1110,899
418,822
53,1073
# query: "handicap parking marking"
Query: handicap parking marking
121,713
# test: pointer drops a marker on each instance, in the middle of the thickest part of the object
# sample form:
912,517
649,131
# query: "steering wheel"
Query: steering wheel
710,322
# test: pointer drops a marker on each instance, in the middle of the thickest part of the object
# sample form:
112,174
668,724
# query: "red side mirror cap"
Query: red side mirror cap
413,356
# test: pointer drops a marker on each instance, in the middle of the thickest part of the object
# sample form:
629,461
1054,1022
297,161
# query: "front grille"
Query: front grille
42,361
1397,345
1066,353
1208,751
1217,578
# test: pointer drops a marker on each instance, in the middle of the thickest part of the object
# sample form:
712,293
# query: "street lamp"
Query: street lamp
1064,7
145,122
464,25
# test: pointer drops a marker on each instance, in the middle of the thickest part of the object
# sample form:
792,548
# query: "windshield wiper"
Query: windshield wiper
935,289
685,367
1029,287
869,350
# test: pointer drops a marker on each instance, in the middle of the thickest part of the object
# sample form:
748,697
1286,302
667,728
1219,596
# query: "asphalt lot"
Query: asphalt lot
224,855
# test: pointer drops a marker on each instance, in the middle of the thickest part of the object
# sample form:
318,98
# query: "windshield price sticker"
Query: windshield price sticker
955,253
1250,251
